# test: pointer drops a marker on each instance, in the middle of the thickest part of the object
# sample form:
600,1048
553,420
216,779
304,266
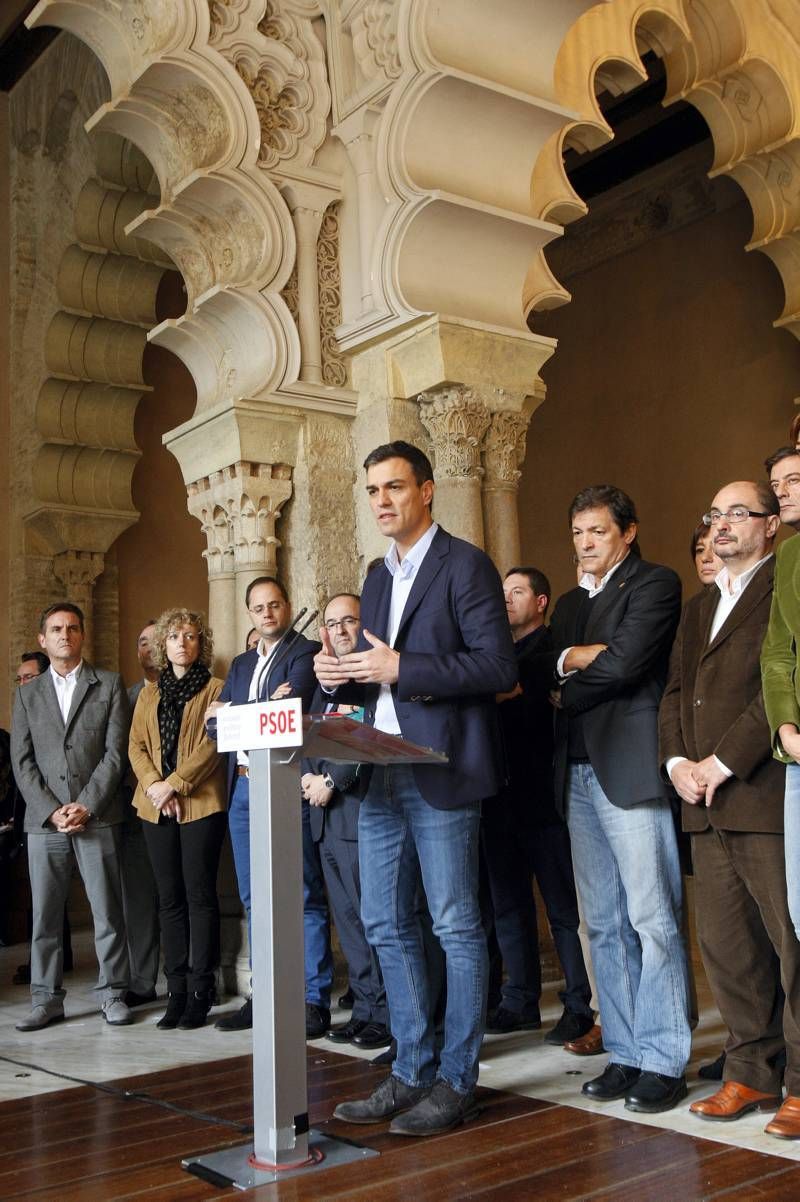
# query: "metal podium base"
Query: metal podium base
232,1166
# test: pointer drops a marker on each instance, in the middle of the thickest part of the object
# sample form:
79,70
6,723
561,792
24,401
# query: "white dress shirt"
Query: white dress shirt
65,688
730,592
265,653
403,575
586,581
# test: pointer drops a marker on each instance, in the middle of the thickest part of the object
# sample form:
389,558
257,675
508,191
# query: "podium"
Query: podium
283,1144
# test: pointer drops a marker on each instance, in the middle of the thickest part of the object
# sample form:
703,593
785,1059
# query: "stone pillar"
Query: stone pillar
77,571
307,224
503,453
457,419
219,562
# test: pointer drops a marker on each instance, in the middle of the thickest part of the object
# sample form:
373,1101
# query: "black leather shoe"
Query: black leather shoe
655,1092
176,1004
570,1026
502,1022
388,1057
346,1000
318,1019
391,1097
374,1035
712,1071
615,1081
347,1032
132,999
442,1109
240,1020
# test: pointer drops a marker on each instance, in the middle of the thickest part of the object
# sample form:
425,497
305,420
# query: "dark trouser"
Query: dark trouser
749,948
340,869
512,852
185,859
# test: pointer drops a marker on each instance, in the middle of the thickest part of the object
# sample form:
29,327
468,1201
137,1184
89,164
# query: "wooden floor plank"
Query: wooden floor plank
83,1145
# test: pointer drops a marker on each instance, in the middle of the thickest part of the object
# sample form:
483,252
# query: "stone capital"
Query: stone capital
78,570
456,419
238,507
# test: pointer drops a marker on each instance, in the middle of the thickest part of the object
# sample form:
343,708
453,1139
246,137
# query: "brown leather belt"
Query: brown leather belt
241,770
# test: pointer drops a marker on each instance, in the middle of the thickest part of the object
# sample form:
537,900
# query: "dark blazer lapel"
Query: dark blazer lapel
86,678
754,592
382,603
612,592
427,571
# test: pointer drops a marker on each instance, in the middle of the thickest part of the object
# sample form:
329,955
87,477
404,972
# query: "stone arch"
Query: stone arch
738,65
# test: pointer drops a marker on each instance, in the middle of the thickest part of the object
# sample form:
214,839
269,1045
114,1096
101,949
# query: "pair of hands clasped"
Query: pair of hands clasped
379,665
697,781
165,799
70,819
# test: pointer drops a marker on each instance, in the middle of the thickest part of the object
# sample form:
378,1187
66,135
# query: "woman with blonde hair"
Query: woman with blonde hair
181,800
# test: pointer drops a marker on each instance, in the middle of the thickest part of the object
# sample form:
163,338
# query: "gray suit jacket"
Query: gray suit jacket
82,761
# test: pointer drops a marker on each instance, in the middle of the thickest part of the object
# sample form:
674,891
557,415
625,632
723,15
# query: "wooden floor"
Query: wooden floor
84,1145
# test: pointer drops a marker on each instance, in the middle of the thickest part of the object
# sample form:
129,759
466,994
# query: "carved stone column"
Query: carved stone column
77,571
503,454
457,419
238,508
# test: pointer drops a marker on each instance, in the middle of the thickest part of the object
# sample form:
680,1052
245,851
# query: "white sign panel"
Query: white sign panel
260,724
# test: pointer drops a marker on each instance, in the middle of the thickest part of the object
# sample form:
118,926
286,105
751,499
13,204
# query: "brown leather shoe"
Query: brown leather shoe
786,1124
590,1044
732,1101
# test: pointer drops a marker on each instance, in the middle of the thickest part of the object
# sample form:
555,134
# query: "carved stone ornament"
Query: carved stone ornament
334,368
456,421
374,33
504,448
237,508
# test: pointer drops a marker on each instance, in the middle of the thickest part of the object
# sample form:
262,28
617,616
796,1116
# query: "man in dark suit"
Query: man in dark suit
435,648
716,747
612,637
332,791
68,743
522,834
252,678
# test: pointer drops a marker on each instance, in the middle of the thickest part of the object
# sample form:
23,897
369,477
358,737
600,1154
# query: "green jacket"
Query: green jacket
780,654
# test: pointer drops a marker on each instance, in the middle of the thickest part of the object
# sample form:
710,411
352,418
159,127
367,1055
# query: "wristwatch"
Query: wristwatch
329,781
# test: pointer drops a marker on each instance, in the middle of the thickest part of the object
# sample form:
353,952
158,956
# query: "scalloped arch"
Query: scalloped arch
220,219
739,65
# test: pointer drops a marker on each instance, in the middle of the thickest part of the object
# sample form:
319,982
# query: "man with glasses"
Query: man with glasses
253,678
333,794
611,638
715,747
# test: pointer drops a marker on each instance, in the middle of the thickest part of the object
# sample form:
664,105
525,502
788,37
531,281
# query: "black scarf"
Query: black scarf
174,695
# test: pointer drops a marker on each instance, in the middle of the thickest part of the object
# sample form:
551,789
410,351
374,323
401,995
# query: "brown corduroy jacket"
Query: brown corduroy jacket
713,705
199,779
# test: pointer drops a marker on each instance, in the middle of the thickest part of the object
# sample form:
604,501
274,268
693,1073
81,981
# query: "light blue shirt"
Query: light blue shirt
403,575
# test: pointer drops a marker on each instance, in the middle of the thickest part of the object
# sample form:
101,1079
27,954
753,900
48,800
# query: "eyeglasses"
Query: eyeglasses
735,515
271,607
345,623
24,677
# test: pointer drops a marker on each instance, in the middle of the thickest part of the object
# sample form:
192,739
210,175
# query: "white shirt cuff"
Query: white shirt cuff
673,762
560,673
722,767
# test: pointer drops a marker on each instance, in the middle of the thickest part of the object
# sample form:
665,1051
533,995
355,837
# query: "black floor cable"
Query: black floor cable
132,1095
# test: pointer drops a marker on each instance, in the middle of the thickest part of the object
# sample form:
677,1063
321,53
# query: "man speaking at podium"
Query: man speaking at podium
434,650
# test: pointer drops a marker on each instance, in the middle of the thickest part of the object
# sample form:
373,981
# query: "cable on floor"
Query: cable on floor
134,1095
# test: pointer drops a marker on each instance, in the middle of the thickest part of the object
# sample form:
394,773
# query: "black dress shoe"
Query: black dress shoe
373,1035
502,1022
615,1081
318,1020
346,1000
388,1057
570,1026
347,1032
655,1092
131,998
712,1071
441,1110
240,1020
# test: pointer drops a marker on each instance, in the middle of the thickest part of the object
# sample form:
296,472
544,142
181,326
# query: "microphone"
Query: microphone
288,639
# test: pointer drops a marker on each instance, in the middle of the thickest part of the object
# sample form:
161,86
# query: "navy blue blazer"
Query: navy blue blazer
340,816
456,653
296,666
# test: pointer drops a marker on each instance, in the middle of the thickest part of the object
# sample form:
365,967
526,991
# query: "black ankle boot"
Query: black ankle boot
197,1008
176,1004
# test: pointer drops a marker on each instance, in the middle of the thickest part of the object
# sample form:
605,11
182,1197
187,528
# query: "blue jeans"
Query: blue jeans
316,931
791,842
399,835
629,880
